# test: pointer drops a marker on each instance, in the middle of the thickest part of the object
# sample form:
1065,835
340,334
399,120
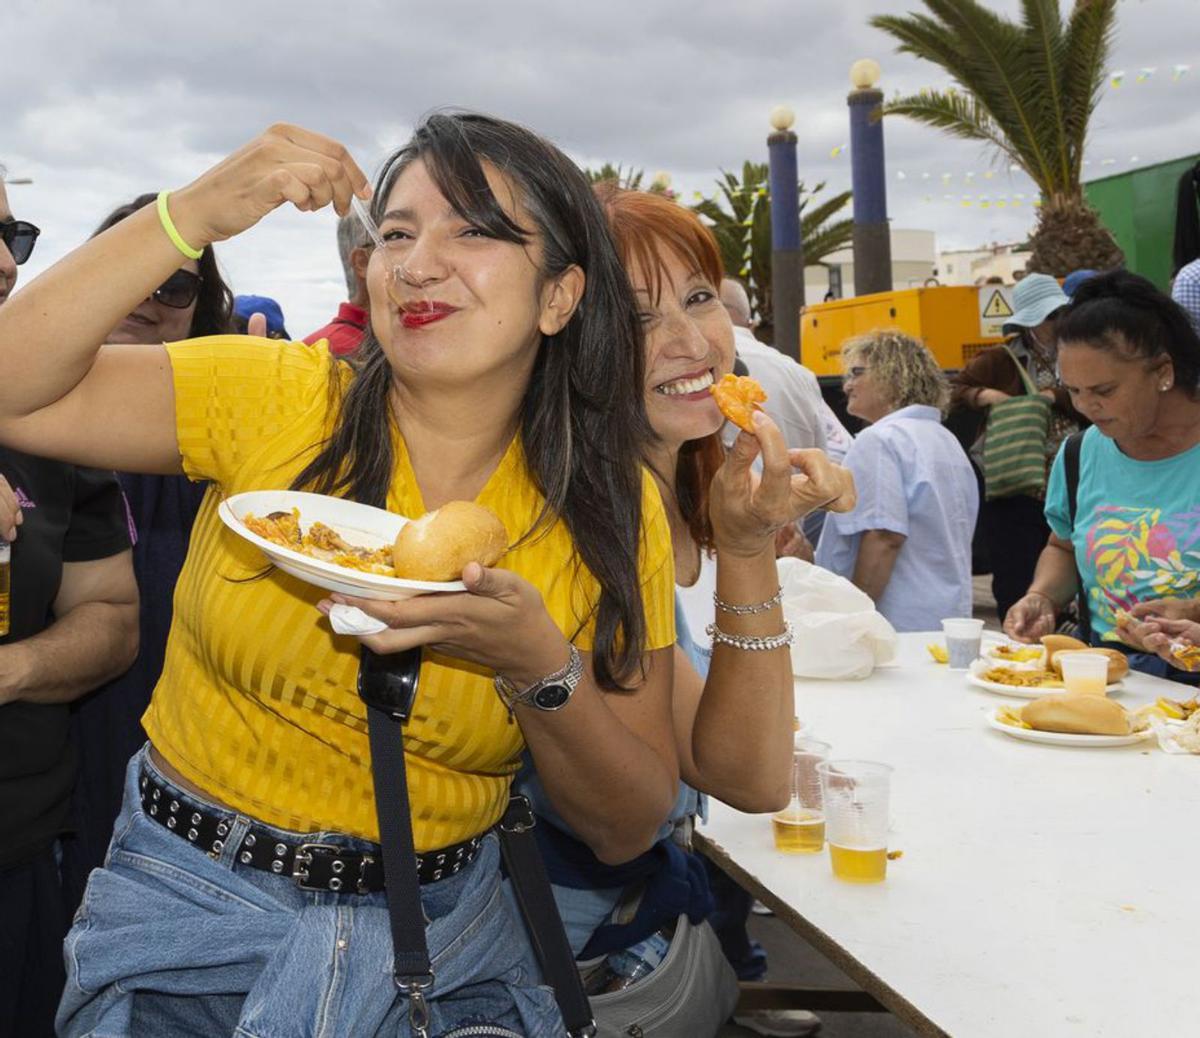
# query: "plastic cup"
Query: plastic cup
1085,673
964,638
800,827
855,799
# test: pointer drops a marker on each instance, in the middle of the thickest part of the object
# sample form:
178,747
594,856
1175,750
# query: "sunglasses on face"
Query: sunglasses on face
179,290
19,237
854,373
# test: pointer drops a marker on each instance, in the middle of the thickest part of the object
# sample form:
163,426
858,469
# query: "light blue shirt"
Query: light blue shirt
913,479
1137,526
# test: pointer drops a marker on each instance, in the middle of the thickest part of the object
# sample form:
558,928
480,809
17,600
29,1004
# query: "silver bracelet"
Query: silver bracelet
750,642
749,610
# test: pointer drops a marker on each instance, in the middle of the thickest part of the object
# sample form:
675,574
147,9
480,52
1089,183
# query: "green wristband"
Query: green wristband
168,225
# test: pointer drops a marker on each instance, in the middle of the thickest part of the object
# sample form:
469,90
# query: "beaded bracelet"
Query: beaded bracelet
750,642
749,610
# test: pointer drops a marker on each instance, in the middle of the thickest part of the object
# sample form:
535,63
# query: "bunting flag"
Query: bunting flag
1145,73
901,175
1179,71
1116,79
835,152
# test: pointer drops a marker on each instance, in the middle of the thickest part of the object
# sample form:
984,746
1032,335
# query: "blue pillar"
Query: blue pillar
872,238
787,253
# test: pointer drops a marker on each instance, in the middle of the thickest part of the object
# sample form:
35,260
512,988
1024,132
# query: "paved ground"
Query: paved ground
792,959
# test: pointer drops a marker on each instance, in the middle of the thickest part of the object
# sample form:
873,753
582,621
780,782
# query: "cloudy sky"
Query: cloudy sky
103,101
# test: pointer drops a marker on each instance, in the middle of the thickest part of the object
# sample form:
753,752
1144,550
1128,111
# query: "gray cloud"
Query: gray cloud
106,100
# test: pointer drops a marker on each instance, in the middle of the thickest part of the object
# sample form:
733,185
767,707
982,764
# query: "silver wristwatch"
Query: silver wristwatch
552,692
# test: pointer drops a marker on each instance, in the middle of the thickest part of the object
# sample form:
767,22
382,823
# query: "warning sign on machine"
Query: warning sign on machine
995,307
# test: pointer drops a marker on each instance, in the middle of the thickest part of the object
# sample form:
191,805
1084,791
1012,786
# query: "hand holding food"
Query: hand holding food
1167,609
747,510
739,397
499,622
283,164
1176,641
1030,618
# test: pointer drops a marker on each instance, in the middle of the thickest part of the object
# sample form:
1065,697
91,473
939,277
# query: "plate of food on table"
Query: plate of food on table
1072,719
1029,671
366,552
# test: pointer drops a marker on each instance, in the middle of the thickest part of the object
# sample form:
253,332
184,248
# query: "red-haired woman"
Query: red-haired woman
733,700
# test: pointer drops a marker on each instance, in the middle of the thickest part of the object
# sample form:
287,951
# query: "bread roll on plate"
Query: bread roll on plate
1055,643
439,545
1118,663
1076,715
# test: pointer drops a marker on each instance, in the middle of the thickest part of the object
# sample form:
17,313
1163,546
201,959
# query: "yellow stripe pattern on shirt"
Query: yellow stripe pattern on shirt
257,701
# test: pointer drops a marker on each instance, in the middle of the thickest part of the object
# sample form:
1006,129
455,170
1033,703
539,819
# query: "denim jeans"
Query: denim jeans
169,941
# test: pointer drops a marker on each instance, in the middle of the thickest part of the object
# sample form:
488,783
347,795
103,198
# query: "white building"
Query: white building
1005,261
914,260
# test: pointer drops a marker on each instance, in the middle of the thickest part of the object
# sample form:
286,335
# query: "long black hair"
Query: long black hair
214,305
1124,313
582,422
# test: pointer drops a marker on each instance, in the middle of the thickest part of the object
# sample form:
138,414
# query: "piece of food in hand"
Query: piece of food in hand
939,652
1187,655
738,397
1118,663
1077,715
1060,643
439,545
1123,618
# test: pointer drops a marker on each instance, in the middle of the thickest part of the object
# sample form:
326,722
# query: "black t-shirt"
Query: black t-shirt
70,514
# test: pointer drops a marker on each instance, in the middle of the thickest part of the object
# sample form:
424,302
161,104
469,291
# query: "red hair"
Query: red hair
647,228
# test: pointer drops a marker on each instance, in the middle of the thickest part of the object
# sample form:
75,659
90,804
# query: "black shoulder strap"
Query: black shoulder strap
1071,451
1071,470
388,686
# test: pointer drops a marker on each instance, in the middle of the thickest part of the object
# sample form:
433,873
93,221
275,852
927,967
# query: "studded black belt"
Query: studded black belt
311,865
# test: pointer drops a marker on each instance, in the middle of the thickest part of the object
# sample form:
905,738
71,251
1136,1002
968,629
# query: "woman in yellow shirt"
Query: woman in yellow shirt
503,365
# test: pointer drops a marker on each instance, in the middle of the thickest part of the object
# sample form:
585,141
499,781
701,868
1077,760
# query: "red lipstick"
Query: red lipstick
421,314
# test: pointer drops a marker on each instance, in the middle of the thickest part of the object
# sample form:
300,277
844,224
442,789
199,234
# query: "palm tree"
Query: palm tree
740,217
1028,90
629,179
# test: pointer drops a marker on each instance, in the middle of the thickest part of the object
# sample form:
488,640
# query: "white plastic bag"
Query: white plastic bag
838,633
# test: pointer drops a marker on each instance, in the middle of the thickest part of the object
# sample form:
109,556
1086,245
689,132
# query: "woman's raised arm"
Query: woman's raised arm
63,393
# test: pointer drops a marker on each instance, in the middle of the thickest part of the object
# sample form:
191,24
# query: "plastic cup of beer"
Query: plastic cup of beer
1085,673
964,639
800,827
855,796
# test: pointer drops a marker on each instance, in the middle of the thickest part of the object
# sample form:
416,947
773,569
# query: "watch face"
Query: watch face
552,697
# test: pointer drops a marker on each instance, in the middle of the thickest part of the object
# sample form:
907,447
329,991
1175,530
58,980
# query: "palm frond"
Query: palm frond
1089,40
960,115
812,217
1044,31
986,55
821,242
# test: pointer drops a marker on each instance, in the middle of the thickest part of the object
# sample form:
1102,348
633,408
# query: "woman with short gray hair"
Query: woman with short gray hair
907,544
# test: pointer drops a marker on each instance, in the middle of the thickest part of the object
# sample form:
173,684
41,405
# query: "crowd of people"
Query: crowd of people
187,771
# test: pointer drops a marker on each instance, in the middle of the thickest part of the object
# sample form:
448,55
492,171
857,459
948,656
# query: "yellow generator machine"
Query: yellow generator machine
955,322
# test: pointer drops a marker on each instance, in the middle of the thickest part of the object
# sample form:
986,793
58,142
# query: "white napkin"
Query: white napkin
347,619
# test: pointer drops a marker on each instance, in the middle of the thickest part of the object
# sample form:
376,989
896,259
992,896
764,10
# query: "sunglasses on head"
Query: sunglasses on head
179,290
19,237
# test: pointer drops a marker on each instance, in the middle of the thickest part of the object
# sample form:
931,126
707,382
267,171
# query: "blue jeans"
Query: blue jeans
169,941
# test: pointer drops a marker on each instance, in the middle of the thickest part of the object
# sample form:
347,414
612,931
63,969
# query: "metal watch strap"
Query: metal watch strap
568,676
